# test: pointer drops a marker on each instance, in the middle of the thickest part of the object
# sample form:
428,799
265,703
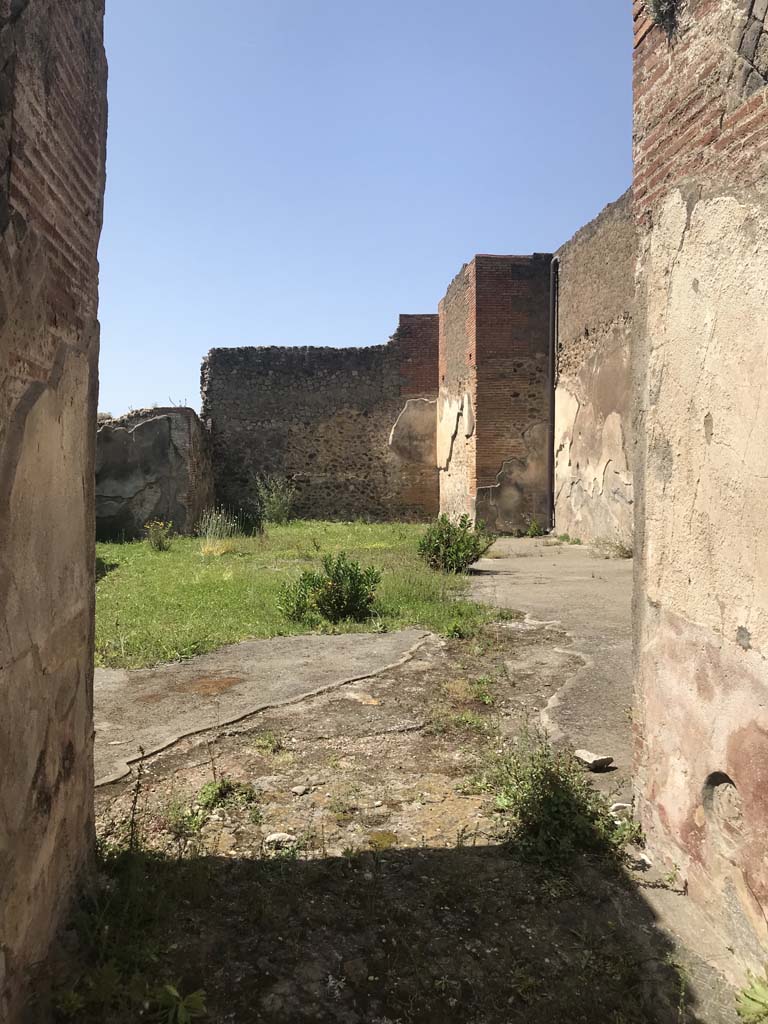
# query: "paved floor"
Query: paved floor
153,708
590,597
571,588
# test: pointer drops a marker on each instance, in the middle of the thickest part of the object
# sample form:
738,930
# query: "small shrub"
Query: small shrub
268,742
343,590
480,690
226,793
296,598
453,547
183,823
553,811
277,496
534,530
159,534
458,632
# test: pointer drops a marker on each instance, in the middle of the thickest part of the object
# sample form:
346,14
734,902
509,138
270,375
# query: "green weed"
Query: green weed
277,496
159,534
552,812
268,742
453,547
752,1001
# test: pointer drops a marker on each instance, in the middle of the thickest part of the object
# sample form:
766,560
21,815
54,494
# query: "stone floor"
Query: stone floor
403,904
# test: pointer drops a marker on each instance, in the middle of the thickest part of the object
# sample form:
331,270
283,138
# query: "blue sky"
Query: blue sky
293,172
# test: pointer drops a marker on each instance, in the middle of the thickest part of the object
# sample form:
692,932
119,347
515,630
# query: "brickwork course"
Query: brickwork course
493,430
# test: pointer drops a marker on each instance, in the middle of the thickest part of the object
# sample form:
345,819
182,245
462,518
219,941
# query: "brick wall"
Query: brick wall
593,408
324,417
700,464
493,432
701,109
52,157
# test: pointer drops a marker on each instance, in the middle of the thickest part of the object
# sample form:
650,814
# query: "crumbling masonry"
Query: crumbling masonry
701,464
623,384
53,120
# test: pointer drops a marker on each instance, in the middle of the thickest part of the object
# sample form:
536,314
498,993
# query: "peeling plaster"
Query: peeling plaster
451,411
519,482
414,434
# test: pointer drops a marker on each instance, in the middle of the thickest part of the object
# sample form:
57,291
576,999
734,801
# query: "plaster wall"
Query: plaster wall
52,157
457,397
701,468
593,408
152,464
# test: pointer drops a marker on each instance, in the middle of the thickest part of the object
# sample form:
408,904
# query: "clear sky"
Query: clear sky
289,172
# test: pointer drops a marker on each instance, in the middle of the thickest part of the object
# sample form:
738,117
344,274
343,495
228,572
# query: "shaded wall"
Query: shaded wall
701,466
151,464
354,428
52,151
593,402
493,408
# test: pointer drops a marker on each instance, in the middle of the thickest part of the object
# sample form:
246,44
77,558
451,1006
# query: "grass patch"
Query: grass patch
150,610
445,722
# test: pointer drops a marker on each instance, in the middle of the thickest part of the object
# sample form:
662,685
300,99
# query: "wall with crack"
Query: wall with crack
354,428
456,439
493,431
151,464
701,465
593,401
52,156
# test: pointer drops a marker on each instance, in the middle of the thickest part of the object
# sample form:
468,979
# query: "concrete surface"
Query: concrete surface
571,588
154,707
590,597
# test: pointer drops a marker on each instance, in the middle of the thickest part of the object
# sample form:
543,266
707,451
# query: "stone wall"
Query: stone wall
52,154
151,464
593,401
494,408
353,428
701,464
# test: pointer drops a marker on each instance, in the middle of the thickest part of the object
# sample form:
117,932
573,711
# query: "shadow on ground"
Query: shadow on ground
104,568
420,936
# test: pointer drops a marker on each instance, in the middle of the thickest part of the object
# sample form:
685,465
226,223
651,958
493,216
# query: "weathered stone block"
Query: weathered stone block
152,464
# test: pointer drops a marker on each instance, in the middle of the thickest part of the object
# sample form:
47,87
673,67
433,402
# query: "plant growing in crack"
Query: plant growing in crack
664,13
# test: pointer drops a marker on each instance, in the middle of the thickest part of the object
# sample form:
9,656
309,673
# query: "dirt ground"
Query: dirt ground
396,900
